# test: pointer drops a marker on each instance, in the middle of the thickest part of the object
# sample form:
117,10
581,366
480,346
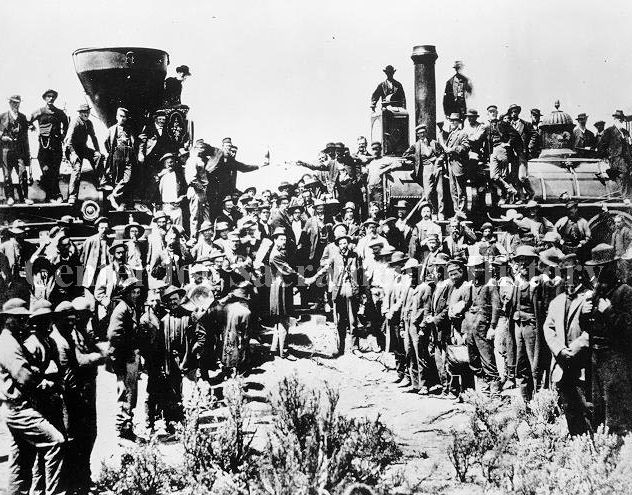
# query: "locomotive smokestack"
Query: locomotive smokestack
424,58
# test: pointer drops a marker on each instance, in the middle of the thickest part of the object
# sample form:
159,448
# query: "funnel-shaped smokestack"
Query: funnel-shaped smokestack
122,77
424,58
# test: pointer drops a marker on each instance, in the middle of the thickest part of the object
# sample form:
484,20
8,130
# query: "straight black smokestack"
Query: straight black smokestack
424,58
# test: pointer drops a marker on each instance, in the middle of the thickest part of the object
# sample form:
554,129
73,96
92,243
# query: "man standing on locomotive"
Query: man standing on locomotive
14,141
52,125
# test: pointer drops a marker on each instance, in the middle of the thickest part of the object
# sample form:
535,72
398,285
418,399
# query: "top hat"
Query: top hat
602,254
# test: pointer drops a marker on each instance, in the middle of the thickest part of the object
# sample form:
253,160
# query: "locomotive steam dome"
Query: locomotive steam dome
557,129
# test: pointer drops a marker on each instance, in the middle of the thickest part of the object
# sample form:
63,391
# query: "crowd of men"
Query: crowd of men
519,302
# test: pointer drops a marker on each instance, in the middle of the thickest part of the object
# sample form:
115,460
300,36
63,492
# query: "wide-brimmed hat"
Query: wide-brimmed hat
41,309
15,306
159,214
440,259
385,252
556,258
51,92
472,113
341,237
370,221
166,156
244,290
117,244
513,106
129,226
206,225
397,258
172,289
349,206
198,268
378,241
252,205
17,227
84,107
278,231
551,236
475,260
454,116
63,308
410,264
509,216
602,254
82,303
221,226
389,220
101,220
216,253
129,284
618,114
525,251
294,205
536,111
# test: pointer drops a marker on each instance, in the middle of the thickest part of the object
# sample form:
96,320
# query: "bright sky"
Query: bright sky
292,75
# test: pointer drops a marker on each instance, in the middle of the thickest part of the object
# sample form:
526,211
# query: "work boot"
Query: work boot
127,434
398,379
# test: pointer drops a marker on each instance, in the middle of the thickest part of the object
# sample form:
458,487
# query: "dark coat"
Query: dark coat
484,310
454,101
398,98
424,155
346,268
122,334
615,147
90,256
18,131
284,278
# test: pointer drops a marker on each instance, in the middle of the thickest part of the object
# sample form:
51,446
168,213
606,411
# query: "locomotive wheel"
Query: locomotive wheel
602,225
90,210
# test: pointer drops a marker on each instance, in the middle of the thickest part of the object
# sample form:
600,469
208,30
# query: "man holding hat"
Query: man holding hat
390,91
76,150
124,354
456,147
582,140
615,147
457,89
31,433
52,125
14,151
607,318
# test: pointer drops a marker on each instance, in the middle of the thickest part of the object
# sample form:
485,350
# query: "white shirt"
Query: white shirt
169,187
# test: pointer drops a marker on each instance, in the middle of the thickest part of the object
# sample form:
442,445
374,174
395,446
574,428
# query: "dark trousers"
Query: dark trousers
83,433
33,436
49,161
347,311
529,371
396,329
127,394
481,353
12,160
421,366
612,389
572,400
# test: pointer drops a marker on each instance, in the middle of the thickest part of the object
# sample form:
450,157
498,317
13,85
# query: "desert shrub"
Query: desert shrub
142,471
219,455
312,448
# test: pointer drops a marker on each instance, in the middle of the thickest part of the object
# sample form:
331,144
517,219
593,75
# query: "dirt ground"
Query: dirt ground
421,424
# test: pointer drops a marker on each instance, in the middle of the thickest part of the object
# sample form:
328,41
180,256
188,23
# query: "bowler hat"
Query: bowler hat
536,111
15,306
618,114
602,254
252,205
486,225
389,69
472,113
50,92
183,69
410,264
